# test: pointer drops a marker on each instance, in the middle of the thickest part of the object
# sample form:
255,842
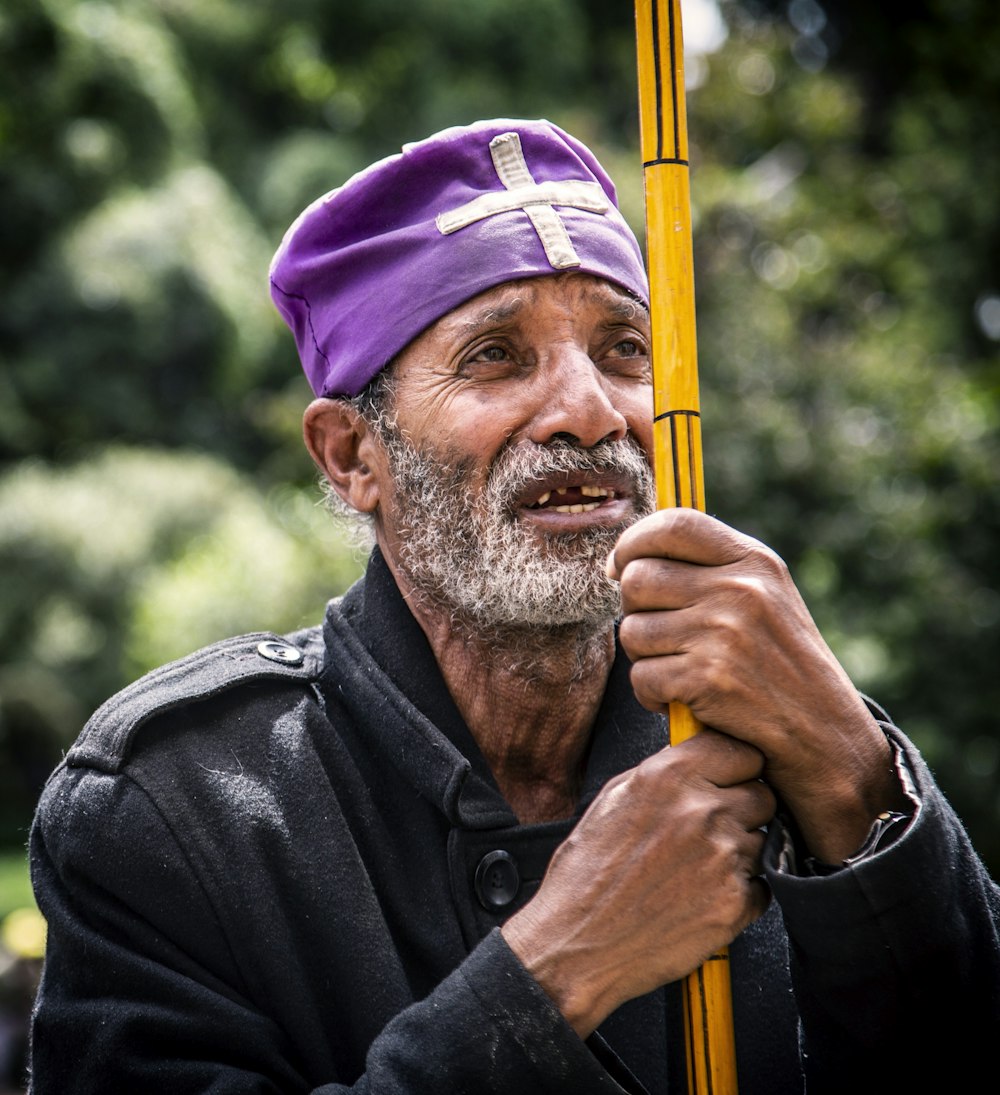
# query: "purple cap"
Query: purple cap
367,267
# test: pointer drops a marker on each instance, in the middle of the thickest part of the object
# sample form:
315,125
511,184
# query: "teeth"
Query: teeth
588,490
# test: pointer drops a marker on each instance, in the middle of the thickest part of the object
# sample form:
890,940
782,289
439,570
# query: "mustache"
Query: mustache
517,467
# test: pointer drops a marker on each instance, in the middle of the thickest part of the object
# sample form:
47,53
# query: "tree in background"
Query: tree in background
154,492
849,295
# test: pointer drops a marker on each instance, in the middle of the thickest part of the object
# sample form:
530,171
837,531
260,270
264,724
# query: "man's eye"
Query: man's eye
491,353
628,357
492,360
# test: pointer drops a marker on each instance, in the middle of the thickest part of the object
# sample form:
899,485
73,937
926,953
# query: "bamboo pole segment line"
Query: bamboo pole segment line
677,456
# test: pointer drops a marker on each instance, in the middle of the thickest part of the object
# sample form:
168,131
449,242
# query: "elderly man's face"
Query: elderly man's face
523,420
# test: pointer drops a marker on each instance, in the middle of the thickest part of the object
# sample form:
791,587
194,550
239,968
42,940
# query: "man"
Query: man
439,844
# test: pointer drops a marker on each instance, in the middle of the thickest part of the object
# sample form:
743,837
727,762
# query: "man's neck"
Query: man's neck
528,696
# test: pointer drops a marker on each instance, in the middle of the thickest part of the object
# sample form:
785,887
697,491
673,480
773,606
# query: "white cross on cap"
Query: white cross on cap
537,200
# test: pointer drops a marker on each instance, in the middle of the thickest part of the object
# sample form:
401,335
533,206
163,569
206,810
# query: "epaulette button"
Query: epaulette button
280,652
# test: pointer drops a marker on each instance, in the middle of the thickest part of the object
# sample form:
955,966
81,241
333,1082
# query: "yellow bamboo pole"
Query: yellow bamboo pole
677,458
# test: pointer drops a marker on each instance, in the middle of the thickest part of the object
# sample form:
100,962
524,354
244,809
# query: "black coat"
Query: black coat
261,870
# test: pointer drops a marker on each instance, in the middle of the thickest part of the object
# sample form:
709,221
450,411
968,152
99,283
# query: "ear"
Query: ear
344,450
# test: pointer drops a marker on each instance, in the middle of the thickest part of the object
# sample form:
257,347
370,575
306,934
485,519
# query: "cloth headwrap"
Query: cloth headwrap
372,264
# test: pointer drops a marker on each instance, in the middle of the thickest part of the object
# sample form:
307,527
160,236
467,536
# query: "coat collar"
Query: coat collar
386,634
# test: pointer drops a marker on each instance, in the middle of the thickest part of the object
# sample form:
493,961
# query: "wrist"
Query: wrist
839,811
573,991
885,830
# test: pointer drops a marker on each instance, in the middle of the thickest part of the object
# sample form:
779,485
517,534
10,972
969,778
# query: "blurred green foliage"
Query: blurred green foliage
15,887
131,558
154,491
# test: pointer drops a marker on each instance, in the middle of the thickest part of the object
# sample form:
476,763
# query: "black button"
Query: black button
497,880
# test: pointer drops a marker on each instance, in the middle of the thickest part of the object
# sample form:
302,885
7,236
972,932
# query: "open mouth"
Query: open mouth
582,498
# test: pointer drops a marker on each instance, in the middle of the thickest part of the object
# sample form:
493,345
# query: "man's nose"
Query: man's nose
576,403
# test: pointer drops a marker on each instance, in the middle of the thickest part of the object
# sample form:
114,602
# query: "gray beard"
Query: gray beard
469,555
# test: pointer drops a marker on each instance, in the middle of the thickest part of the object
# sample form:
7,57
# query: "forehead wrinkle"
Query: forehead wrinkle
508,301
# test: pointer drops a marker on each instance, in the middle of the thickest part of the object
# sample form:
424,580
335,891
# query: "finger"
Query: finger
754,805
658,680
758,900
651,583
683,534
719,759
652,633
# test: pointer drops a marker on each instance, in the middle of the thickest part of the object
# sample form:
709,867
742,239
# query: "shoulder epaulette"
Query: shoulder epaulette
107,737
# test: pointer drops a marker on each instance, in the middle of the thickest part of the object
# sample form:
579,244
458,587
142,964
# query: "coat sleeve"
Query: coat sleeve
142,990
896,960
